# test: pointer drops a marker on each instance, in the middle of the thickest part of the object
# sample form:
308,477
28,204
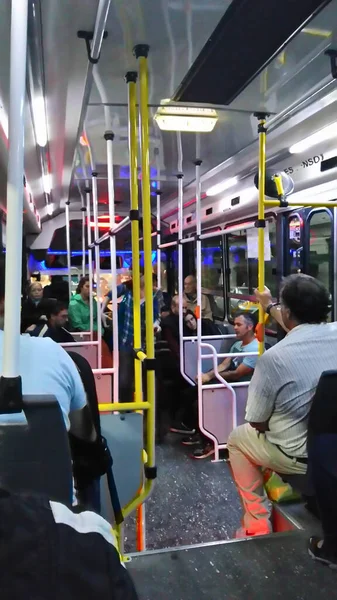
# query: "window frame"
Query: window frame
308,218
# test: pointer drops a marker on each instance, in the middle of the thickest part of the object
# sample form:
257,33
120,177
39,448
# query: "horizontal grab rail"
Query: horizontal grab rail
123,406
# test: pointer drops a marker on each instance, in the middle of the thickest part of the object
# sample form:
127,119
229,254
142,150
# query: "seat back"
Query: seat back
322,419
88,351
221,412
323,411
35,454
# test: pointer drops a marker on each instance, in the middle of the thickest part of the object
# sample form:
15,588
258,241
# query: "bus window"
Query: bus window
244,271
212,274
320,251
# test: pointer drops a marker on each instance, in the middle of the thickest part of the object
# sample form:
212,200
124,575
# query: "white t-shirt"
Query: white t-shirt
46,369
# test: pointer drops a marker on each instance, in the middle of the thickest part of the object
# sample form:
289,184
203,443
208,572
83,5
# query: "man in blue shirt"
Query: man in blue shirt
237,368
232,370
46,369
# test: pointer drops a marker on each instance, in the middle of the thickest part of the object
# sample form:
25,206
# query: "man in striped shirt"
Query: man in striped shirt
280,395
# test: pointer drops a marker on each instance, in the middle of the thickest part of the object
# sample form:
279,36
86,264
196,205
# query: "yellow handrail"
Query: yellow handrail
141,53
123,406
131,78
261,222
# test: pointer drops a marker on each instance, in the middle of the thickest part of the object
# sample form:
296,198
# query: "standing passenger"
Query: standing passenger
126,340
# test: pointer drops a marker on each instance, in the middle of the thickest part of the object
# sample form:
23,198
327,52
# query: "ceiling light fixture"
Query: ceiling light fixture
322,135
39,114
181,118
221,187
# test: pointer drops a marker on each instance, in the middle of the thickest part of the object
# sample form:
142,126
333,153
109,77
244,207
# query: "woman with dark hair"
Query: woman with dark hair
79,307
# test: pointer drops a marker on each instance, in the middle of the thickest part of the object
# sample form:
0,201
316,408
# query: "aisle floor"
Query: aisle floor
194,501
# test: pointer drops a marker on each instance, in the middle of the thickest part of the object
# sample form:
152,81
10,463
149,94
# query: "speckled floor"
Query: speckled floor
193,501
255,569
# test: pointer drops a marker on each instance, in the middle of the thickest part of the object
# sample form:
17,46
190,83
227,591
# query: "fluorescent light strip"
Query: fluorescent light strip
39,114
320,136
46,179
221,187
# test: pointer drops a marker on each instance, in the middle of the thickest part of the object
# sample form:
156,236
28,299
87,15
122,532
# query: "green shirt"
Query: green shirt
79,314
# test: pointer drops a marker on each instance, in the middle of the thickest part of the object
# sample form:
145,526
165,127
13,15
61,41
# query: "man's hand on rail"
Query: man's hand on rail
264,298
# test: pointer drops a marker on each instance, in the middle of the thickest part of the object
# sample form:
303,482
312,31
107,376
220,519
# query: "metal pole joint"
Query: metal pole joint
131,77
141,50
109,136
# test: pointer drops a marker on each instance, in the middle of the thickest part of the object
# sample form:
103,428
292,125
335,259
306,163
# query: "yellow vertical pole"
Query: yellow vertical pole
261,220
131,79
141,53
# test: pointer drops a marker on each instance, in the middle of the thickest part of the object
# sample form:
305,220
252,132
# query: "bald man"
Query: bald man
190,295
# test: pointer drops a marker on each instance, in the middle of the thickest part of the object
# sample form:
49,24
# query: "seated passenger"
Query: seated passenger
170,326
57,318
280,395
79,307
190,295
207,327
33,309
230,369
238,369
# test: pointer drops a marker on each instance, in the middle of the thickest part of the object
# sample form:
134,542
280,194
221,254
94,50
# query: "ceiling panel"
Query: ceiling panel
233,131
175,30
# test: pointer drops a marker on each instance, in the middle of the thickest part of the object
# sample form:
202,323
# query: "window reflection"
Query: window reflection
320,251
243,277
212,274
295,246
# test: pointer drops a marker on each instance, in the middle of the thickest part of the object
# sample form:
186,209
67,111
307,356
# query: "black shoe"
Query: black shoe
191,440
318,550
182,428
203,451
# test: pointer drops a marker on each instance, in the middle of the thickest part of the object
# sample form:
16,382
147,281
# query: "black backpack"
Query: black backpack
92,460
48,552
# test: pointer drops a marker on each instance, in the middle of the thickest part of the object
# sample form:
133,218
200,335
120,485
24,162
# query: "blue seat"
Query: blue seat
35,456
